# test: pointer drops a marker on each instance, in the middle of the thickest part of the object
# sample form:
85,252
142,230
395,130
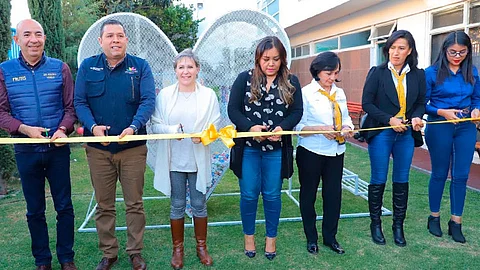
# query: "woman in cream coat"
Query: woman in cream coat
185,107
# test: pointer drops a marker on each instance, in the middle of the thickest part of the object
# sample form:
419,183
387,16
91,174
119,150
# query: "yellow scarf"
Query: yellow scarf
337,115
402,100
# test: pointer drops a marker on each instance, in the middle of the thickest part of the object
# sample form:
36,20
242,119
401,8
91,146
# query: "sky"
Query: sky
19,11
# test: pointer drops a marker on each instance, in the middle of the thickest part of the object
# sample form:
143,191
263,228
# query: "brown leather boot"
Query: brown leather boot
201,236
177,228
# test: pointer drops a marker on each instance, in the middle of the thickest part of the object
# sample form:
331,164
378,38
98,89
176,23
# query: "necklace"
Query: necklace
185,95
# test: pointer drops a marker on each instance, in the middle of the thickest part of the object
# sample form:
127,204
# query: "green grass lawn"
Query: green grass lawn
226,243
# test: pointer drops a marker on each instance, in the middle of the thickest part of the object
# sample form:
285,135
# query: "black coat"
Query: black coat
380,99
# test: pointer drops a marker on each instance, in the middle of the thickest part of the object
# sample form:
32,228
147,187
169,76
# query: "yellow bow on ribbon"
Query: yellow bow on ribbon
227,134
209,135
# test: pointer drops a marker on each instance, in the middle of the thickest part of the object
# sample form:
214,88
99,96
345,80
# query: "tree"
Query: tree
5,34
177,22
78,16
49,14
7,159
175,19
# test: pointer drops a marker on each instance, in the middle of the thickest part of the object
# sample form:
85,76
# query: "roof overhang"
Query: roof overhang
337,12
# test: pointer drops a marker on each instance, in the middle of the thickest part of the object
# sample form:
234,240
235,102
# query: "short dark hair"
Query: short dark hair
326,61
412,58
460,38
111,22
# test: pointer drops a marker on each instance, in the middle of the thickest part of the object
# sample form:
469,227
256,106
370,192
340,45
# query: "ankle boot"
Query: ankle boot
455,230
433,226
200,225
400,199
375,200
177,228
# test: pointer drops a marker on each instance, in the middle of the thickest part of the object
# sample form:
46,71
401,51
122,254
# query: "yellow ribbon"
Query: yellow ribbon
226,134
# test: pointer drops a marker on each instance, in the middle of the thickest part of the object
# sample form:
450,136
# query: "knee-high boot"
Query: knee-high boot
200,225
178,229
400,199
375,201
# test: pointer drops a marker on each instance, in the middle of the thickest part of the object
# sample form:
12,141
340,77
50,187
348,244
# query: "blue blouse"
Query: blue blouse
453,93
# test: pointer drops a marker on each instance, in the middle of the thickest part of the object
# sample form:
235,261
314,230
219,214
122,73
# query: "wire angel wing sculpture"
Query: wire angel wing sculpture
225,49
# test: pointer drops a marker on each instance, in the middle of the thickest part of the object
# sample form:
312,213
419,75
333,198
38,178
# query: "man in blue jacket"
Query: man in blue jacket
115,95
36,100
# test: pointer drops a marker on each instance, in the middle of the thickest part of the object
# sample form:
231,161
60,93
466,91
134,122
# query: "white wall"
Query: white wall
294,11
417,25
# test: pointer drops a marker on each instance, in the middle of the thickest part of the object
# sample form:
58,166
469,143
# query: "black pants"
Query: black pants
312,167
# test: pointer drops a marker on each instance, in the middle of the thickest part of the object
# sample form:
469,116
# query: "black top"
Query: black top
380,99
269,110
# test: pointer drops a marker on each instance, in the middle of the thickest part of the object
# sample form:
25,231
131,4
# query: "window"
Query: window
448,17
271,7
326,45
381,32
355,39
302,50
437,41
453,19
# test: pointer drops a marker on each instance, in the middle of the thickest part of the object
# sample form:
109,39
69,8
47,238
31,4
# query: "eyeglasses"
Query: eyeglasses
454,53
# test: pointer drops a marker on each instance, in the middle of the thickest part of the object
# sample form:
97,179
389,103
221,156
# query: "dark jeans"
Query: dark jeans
451,147
312,167
400,146
261,173
54,166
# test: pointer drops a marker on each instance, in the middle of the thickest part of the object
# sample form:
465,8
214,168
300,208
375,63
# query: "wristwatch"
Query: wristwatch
135,129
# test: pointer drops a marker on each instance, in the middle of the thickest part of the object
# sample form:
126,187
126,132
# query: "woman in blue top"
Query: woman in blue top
453,92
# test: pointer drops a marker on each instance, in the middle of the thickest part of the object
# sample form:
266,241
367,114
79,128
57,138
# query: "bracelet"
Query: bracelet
62,128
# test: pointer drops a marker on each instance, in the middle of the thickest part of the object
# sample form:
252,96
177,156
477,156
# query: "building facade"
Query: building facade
357,30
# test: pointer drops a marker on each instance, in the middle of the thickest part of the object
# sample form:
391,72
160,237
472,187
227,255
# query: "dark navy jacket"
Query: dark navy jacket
35,96
117,98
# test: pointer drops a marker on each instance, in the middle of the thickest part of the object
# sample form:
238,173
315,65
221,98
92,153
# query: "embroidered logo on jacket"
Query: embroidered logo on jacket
131,70
96,68
19,78
50,75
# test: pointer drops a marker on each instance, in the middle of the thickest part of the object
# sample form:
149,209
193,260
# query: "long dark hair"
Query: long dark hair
326,61
286,89
460,38
412,58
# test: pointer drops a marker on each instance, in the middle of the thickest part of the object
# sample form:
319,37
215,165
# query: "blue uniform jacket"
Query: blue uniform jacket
117,98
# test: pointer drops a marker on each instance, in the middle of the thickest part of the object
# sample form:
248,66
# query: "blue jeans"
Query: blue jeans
261,173
400,146
451,147
54,166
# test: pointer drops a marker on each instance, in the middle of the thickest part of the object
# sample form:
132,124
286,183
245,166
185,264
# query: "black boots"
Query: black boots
455,230
375,200
433,226
400,199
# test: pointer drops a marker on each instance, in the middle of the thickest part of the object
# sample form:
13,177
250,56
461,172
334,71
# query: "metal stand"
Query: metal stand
350,182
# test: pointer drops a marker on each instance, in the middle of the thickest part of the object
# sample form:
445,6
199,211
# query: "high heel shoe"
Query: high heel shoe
455,230
270,255
433,226
249,240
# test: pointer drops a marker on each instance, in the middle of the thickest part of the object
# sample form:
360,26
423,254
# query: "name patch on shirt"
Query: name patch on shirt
96,68
19,79
50,75
131,70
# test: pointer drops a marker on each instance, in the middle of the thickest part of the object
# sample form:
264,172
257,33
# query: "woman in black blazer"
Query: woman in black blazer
393,96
